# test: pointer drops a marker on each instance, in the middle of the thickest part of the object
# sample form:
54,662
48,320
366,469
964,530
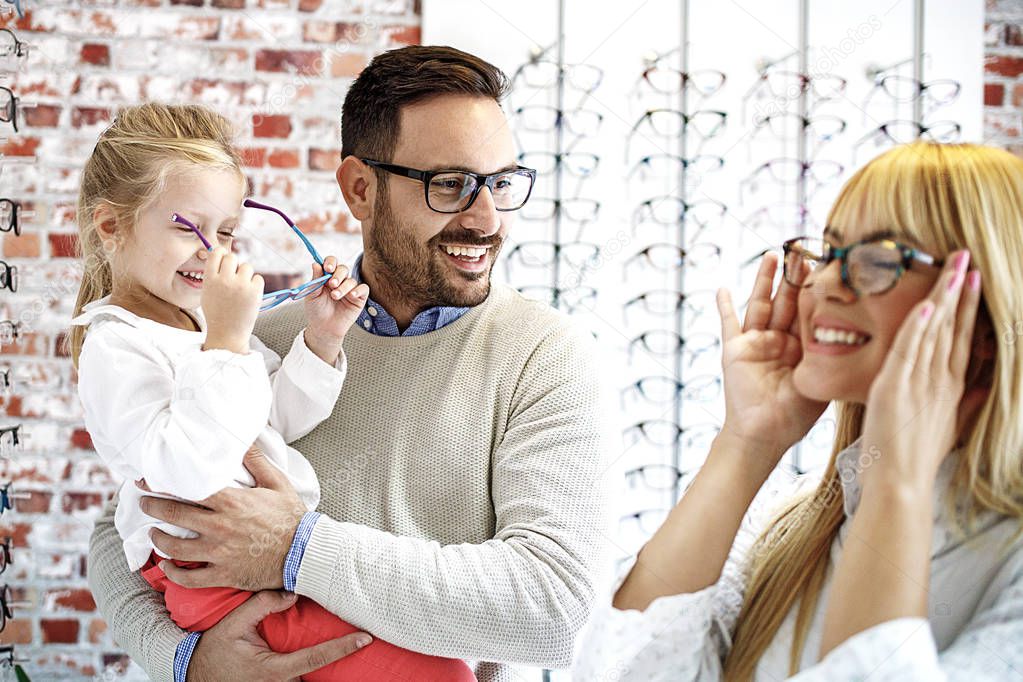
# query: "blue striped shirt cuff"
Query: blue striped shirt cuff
183,654
294,559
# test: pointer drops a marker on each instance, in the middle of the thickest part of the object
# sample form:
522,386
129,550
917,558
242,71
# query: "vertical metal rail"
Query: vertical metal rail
918,58
683,106
559,144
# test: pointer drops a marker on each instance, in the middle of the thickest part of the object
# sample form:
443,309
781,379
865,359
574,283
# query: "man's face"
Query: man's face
419,250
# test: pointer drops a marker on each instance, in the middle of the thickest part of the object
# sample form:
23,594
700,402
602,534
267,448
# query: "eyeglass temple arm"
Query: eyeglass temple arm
184,221
250,203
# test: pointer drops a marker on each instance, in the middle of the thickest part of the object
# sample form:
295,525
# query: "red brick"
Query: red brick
21,146
404,35
24,246
253,157
305,62
1014,35
284,158
89,116
81,440
271,126
319,31
348,65
324,159
42,116
229,4
325,221
63,245
994,94
29,343
1004,65
18,631
98,628
190,3
37,503
96,54
59,631
12,406
77,600
309,5
1017,95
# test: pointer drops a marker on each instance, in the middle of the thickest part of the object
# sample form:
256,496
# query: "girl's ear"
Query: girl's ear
105,223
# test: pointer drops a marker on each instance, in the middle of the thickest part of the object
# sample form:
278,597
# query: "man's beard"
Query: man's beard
413,270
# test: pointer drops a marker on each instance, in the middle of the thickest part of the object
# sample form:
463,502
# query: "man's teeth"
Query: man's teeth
466,251
194,276
839,336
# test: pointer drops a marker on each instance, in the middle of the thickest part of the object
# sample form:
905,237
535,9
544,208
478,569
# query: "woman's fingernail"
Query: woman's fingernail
956,280
974,280
961,260
363,640
927,310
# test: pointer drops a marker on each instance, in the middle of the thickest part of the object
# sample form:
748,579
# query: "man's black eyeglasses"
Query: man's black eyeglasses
454,191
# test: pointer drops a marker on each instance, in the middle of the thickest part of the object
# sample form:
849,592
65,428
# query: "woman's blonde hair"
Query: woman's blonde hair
945,197
129,168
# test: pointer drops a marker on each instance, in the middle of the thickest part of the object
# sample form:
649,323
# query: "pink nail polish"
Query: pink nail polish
926,311
974,280
956,280
961,260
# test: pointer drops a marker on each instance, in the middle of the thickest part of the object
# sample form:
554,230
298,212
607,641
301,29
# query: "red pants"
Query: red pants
305,624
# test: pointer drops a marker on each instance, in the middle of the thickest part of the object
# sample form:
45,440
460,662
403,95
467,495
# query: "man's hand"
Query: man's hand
232,650
244,533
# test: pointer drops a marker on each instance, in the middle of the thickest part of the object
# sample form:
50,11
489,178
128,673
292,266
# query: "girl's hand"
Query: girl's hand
915,406
332,310
230,299
763,410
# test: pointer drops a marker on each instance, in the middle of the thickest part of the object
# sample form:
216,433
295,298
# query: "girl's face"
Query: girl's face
841,370
159,264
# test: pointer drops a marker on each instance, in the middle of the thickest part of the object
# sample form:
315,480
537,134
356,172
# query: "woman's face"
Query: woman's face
842,366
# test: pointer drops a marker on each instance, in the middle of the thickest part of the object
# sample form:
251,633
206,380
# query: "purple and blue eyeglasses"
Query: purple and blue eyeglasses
273,298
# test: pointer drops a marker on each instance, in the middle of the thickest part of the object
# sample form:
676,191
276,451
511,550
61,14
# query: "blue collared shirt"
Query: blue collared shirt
375,320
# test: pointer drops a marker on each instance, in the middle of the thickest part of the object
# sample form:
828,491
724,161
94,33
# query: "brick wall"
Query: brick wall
279,69
1003,74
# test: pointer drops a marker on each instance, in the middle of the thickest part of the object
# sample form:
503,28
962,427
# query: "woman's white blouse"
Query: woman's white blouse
973,632
159,407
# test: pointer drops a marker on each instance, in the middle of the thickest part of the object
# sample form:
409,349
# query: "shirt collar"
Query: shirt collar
376,320
103,307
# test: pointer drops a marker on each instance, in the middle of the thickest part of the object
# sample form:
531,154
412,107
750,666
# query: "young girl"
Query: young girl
174,386
906,561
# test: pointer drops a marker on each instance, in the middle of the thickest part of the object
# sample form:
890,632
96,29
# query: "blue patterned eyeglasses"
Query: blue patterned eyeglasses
273,298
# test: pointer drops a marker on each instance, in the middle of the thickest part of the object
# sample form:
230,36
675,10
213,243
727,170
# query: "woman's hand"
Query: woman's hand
916,405
230,301
763,410
332,310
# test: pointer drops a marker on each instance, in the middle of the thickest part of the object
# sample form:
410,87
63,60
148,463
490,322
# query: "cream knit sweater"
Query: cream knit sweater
461,491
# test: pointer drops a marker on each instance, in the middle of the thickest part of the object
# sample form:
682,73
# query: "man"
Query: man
461,506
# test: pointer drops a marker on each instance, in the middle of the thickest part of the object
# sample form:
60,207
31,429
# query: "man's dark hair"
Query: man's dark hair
370,117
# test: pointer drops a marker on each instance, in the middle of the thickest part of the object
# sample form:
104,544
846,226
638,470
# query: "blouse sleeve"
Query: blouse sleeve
679,637
990,647
305,388
184,428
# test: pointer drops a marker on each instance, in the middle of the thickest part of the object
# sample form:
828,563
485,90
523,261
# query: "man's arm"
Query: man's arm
134,611
520,597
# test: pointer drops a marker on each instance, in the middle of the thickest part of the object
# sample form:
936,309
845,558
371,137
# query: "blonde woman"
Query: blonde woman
905,562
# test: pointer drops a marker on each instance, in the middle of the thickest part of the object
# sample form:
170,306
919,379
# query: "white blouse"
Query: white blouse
974,628
159,407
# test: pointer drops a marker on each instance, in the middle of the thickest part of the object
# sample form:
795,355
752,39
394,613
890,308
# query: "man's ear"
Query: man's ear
358,185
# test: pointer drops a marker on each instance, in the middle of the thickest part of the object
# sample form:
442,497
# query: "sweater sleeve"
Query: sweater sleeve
134,611
184,428
305,388
522,596
677,637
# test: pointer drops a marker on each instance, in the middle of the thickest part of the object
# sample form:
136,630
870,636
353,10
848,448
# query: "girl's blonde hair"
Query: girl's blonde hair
945,197
129,168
